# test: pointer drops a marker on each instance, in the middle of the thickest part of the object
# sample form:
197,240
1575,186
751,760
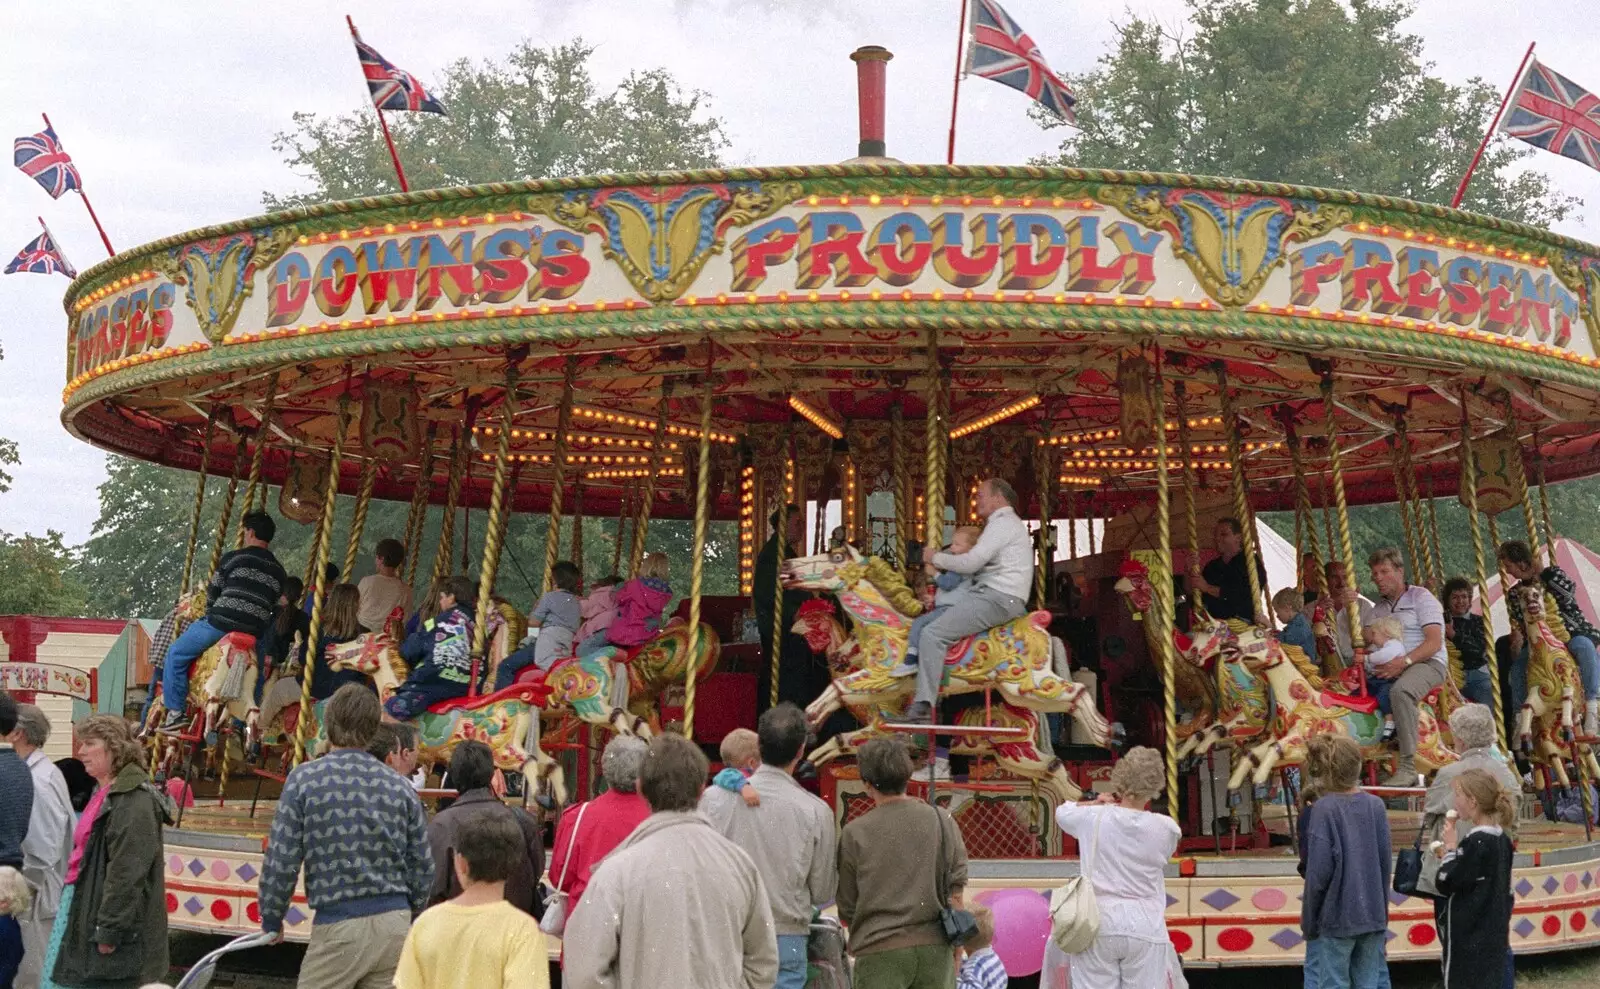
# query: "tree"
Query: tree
36,576
536,114
1313,92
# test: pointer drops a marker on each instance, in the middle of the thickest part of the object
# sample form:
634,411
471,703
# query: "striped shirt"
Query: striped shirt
982,970
243,593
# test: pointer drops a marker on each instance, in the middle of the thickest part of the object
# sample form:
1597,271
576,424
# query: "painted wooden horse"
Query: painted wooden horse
1301,711
1015,659
1547,727
820,627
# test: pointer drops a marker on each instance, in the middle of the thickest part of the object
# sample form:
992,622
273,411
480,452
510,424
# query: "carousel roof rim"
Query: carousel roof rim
336,208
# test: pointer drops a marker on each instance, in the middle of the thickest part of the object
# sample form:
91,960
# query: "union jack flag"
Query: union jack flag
40,157
392,88
41,257
999,49
1552,112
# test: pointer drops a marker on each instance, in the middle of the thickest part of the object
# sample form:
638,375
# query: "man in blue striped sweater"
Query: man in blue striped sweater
361,833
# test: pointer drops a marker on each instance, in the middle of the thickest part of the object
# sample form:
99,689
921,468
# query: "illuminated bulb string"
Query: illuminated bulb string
999,415
815,417
623,419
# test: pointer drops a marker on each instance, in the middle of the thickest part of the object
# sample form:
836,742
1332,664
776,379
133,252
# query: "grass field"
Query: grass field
1568,970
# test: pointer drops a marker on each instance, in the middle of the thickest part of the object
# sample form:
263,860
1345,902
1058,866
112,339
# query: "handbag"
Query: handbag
554,921
1074,910
1416,872
959,926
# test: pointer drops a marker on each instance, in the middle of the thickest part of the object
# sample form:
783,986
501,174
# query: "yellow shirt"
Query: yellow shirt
482,947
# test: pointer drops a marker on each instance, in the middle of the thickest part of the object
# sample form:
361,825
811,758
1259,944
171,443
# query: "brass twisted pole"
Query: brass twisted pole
936,452
319,590
1419,563
647,498
552,532
1346,548
358,523
1524,496
493,534
1302,496
1041,471
417,515
622,521
452,498
1072,523
253,485
1435,576
1544,498
901,471
781,535
577,525
1162,586
1241,500
1197,606
199,503
219,542
1433,535
1469,471
702,514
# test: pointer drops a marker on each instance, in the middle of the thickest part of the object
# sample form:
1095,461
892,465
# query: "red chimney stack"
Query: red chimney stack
871,62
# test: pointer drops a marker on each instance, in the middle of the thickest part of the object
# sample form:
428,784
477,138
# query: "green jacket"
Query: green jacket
120,896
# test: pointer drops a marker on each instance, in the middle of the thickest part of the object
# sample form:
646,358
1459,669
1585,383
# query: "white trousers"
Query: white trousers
1117,962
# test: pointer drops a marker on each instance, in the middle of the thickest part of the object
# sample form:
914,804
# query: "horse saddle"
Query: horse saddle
532,693
1016,629
1359,704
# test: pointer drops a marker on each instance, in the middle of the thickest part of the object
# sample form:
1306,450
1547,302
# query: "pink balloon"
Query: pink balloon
1021,928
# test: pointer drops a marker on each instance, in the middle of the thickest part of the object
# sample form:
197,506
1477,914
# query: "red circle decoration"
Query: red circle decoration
1235,939
172,903
253,911
1578,920
1551,925
1421,935
221,909
1180,941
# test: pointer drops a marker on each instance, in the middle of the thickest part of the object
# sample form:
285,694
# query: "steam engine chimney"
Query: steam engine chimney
871,63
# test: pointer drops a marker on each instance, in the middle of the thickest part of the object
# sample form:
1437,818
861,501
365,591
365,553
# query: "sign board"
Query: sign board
47,678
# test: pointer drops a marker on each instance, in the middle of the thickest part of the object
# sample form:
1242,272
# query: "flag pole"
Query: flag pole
1461,190
388,139
110,252
955,89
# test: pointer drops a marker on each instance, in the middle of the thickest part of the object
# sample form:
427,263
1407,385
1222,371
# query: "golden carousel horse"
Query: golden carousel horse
1546,726
1022,755
221,686
1301,710
1015,659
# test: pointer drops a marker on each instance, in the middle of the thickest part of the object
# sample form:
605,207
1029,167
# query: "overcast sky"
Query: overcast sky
169,110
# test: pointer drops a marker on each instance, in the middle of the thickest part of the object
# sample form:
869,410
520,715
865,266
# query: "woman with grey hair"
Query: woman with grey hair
1123,849
1473,730
589,831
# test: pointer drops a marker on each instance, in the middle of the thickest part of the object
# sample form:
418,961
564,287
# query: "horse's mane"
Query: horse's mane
889,582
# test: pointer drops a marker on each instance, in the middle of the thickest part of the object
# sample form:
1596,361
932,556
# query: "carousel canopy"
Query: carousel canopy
820,309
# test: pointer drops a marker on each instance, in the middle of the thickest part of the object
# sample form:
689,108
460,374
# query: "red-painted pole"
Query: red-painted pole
955,89
871,74
394,156
87,205
1461,190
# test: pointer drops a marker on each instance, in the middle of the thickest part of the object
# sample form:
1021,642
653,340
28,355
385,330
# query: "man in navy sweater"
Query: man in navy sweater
16,789
241,597
361,833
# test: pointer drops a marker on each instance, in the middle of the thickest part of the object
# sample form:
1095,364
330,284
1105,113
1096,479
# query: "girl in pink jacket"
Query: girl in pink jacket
599,609
639,605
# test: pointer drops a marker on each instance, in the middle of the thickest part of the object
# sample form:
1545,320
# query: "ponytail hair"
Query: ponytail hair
1490,797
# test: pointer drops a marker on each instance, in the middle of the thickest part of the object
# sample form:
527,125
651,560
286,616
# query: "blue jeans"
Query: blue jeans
196,639
1477,688
506,673
412,700
1313,960
917,625
791,962
1583,651
1358,962
1379,688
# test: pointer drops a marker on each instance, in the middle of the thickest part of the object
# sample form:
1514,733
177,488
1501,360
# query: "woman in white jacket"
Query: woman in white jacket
1124,850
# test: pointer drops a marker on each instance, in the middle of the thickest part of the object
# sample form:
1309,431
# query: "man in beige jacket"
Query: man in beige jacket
676,904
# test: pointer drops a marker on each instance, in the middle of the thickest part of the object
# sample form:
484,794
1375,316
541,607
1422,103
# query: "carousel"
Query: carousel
1139,354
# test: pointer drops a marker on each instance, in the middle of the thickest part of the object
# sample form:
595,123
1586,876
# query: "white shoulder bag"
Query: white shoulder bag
554,920
1074,911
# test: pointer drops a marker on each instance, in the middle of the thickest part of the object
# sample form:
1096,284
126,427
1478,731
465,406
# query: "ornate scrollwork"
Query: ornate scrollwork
1581,275
219,274
1231,242
661,236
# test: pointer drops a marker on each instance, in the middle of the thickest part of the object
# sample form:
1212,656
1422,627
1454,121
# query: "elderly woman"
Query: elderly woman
111,929
1472,727
588,832
1123,849
899,864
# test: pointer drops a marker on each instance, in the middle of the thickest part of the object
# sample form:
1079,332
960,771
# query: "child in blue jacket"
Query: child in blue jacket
440,654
